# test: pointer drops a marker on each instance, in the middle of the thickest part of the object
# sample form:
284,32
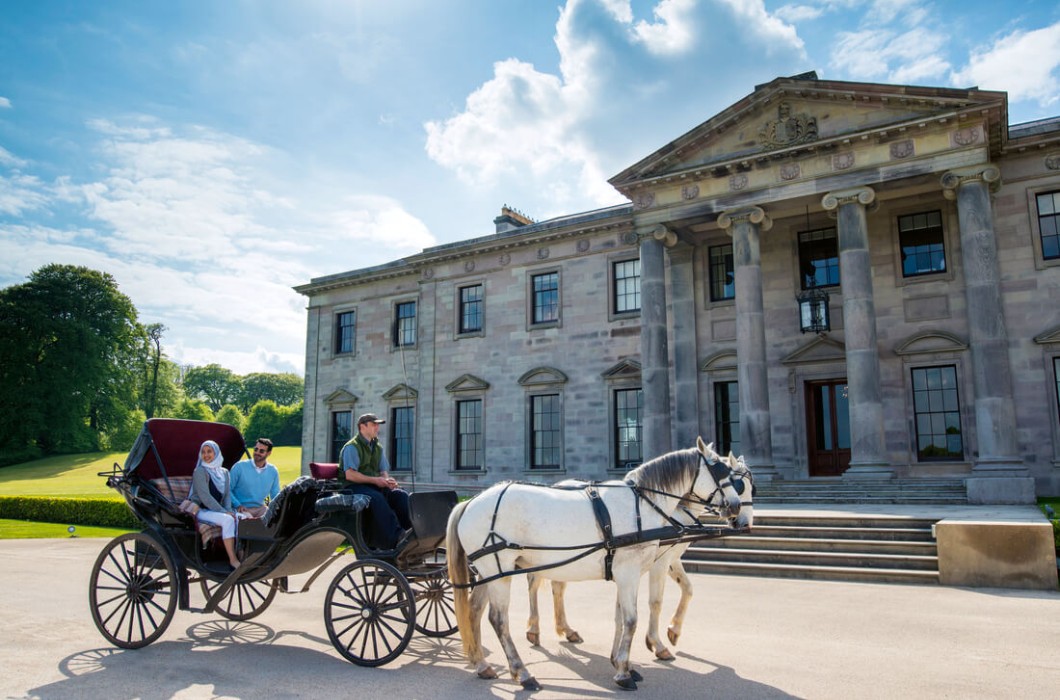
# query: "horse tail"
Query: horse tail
460,577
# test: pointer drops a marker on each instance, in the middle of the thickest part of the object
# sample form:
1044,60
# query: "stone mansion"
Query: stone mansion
834,279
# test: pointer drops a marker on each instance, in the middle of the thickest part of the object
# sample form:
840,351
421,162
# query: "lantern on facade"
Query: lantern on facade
813,310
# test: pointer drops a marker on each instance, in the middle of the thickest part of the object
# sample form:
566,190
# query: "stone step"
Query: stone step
813,531
894,499
816,557
905,547
825,573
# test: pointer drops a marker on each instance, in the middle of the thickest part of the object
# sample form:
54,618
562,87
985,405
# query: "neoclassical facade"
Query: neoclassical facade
836,280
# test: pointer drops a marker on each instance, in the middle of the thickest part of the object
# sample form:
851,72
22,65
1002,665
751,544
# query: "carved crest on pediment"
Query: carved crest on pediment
788,129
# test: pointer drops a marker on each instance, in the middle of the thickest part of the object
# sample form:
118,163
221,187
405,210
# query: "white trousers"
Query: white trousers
226,521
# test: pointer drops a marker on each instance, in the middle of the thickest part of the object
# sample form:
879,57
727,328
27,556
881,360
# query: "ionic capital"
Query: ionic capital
658,232
953,180
856,195
755,215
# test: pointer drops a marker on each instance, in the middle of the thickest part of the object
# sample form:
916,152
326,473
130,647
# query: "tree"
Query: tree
213,384
285,389
152,368
264,420
69,342
193,409
232,415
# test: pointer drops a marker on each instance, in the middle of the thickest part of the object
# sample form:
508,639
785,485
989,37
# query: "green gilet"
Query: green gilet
370,456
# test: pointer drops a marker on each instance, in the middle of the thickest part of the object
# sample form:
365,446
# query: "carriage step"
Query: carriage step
824,573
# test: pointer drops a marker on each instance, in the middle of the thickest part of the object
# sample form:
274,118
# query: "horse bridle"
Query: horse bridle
720,473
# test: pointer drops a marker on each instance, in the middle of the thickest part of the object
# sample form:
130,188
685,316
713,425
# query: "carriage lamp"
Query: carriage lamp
813,310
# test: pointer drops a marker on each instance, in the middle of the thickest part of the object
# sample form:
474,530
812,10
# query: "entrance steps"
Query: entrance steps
919,491
819,545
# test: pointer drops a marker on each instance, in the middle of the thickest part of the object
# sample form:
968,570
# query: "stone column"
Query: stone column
999,475
686,367
745,226
654,351
868,456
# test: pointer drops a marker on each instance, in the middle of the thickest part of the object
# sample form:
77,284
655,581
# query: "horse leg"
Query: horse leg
500,593
656,583
678,574
533,628
625,627
474,651
563,628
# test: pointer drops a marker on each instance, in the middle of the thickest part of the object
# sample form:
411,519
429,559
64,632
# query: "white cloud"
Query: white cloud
673,33
1024,63
5,103
775,34
794,14
886,55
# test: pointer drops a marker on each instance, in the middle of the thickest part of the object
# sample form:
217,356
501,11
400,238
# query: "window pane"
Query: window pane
627,286
921,241
819,258
727,417
345,327
471,309
936,409
722,275
1049,224
469,434
402,424
545,432
628,406
405,325
341,422
546,297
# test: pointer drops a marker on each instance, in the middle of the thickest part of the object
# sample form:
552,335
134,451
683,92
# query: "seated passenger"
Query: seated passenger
365,470
210,489
254,480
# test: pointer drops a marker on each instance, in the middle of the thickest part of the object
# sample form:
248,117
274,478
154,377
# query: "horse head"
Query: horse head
744,485
722,485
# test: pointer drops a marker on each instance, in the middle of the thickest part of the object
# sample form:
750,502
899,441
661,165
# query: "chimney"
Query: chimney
511,219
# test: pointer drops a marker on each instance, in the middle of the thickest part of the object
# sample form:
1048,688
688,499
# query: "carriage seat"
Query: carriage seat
176,491
324,470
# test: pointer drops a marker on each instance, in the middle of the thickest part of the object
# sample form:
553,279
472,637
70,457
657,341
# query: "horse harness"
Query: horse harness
668,534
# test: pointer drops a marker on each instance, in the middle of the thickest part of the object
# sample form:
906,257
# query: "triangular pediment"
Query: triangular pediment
625,369
1050,336
822,349
930,342
725,360
340,397
789,117
542,375
467,382
401,392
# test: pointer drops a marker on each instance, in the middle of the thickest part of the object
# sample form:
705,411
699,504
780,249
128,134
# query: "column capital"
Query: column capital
658,232
856,195
952,180
756,215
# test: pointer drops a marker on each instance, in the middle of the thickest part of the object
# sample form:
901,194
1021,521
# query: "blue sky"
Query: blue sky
211,154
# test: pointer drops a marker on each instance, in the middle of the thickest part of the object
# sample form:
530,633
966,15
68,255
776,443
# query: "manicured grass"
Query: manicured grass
78,475
25,530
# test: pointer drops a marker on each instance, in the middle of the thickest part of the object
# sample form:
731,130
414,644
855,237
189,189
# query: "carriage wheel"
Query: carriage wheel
369,611
132,590
435,614
244,601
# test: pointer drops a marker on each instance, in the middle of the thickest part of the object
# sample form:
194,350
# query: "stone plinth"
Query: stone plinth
996,554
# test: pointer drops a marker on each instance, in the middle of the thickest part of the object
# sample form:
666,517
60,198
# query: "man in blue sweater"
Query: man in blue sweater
253,480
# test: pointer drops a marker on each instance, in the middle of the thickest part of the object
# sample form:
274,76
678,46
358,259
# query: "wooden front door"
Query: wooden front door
828,427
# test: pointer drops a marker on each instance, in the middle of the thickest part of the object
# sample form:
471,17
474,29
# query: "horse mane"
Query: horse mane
672,473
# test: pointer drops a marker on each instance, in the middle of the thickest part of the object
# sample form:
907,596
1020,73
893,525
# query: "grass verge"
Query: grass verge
27,530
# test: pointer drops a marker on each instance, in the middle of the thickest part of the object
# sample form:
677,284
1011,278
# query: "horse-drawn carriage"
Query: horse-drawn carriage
372,605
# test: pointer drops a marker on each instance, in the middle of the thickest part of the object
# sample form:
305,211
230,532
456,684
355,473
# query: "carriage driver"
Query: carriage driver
365,470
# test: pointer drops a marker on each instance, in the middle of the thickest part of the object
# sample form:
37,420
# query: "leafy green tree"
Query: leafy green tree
69,343
264,420
193,409
213,384
283,388
123,436
232,415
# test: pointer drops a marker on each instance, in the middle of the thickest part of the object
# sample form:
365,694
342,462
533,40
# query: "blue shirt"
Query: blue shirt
251,485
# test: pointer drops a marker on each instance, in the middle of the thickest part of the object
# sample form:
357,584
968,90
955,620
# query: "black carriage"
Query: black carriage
372,605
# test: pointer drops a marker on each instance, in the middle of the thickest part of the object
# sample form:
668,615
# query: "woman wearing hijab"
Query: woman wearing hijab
211,490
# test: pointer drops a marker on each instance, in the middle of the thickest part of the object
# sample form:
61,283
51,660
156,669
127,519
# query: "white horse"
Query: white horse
513,528
669,561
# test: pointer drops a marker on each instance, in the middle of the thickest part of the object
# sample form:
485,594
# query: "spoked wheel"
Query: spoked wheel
244,601
435,614
370,613
132,590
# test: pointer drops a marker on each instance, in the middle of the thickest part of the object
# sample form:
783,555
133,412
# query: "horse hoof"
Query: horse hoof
664,655
635,675
531,684
627,683
534,638
487,673
672,636
575,638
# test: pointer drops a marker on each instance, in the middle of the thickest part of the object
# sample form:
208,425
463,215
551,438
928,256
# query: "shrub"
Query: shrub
76,511
231,415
